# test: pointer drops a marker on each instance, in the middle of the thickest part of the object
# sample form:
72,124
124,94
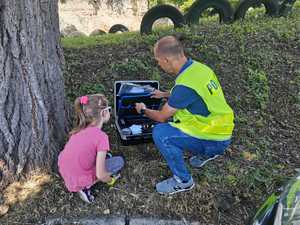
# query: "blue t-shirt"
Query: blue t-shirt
183,97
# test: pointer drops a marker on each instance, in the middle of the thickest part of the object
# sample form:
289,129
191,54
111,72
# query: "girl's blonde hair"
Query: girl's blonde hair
87,110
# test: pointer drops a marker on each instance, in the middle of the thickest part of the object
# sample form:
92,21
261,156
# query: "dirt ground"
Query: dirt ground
260,75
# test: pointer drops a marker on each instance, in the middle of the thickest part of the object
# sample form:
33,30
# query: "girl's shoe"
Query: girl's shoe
85,195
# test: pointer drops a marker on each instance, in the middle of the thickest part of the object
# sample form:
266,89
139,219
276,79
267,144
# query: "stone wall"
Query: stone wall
90,15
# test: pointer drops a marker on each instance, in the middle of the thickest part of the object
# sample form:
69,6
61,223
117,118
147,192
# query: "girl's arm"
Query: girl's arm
101,172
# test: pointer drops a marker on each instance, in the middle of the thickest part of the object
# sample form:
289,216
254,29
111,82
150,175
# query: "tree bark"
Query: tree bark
32,100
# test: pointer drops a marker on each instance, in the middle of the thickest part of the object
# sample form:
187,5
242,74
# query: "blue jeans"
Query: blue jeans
172,142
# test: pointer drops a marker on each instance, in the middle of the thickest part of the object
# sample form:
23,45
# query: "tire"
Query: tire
222,7
161,11
286,7
270,5
118,27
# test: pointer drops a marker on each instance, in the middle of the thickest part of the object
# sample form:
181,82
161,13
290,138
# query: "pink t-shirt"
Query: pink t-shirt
77,161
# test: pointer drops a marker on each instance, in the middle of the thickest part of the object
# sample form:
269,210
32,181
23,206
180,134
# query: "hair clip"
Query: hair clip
84,100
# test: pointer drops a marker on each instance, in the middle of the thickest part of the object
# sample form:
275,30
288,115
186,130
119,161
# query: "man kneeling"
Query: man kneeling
202,119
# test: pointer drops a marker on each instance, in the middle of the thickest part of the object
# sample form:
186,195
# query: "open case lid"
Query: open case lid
124,103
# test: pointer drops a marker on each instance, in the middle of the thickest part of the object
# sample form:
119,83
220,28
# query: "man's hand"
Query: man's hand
159,94
139,107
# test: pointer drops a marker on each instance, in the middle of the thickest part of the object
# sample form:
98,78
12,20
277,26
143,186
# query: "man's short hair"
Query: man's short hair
169,46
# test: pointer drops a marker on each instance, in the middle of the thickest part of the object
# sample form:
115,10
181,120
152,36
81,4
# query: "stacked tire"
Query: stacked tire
158,12
221,7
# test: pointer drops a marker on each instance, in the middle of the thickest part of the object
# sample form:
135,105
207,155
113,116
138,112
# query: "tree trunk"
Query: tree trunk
32,105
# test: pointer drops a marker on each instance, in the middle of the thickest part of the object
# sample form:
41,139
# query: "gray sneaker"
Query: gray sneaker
173,185
198,161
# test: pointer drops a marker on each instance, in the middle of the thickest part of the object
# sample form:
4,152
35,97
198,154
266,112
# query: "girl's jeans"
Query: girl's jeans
172,142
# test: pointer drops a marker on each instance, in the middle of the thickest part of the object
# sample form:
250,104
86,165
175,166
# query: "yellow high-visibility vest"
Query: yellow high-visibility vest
218,125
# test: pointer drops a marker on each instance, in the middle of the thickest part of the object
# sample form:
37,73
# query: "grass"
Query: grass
258,85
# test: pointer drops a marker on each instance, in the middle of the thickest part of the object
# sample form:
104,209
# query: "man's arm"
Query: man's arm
160,116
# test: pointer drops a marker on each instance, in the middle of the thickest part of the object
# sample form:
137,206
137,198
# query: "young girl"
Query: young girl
84,161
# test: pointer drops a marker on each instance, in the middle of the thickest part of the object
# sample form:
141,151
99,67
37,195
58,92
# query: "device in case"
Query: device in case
133,127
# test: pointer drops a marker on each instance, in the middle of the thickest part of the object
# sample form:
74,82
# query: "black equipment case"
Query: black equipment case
126,116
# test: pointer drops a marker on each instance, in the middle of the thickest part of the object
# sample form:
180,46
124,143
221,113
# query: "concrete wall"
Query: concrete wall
90,15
